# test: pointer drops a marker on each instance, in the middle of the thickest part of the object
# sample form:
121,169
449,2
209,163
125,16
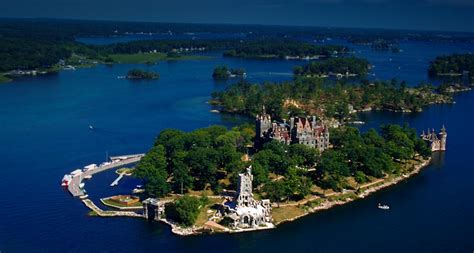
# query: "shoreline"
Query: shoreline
329,204
326,205
198,230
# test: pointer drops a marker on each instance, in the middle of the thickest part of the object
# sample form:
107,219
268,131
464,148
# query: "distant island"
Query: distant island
453,65
284,50
224,73
338,67
142,74
378,43
312,96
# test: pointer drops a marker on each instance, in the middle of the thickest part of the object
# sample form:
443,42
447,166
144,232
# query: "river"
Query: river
44,133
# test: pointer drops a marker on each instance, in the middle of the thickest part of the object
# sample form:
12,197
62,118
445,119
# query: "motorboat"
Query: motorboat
383,207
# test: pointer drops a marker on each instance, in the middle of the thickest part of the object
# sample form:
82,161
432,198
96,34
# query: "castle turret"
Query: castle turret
244,194
437,141
443,135
263,123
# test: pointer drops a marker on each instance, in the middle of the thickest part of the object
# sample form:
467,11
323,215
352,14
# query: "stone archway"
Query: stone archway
246,220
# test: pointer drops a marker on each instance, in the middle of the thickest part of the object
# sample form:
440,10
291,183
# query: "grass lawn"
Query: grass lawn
284,213
4,79
127,171
203,216
151,57
113,203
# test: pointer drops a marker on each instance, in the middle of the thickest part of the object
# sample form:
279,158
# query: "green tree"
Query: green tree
182,179
152,169
184,210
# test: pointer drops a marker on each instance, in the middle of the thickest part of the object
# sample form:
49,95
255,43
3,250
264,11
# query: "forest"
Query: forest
314,96
452,64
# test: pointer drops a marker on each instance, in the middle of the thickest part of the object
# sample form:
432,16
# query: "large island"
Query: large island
219,180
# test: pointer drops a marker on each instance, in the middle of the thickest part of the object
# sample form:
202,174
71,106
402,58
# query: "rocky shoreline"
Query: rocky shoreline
329,204
196,230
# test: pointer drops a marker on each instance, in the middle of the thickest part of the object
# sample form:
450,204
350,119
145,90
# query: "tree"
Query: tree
275,191
182,179
260,174
296,184
185,210
221,73
203,167
152,169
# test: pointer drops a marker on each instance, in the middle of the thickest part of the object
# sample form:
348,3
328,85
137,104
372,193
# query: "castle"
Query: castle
437,141
245,211
300,130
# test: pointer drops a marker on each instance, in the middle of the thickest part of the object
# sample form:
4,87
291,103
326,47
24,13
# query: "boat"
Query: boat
383,207
136,190
91,127
87,176
66,180
81,185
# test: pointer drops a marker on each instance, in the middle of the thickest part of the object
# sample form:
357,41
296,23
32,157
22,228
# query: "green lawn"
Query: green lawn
152,58
113,203
280,214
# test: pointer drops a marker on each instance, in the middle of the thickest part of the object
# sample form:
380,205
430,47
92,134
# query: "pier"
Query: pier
115,161
116,181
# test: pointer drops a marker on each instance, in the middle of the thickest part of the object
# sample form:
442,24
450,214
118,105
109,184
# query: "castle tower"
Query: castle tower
263,123
443,135
244,190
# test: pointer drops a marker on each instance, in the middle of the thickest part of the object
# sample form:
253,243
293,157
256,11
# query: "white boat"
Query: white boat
91,127
88,176
81,185
66,180
383,207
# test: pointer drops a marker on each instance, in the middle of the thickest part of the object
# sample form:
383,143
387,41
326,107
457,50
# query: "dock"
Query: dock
115,161
116,181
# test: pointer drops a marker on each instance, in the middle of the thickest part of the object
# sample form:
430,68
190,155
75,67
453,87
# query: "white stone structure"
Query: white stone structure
248,212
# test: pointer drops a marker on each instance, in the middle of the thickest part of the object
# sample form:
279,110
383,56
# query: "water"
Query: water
44,134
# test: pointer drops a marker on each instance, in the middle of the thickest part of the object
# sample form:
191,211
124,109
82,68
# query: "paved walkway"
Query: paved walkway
103,213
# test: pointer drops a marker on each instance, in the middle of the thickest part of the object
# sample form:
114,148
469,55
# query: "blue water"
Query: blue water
44,134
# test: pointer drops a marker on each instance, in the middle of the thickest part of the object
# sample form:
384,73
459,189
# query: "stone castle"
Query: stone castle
300,130
245,211
437,141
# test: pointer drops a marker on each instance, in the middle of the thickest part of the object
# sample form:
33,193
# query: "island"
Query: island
337,67
224,73
286,49
453,65
142,74
251,178
314,96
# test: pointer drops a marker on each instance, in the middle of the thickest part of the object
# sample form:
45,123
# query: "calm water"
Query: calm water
44,134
